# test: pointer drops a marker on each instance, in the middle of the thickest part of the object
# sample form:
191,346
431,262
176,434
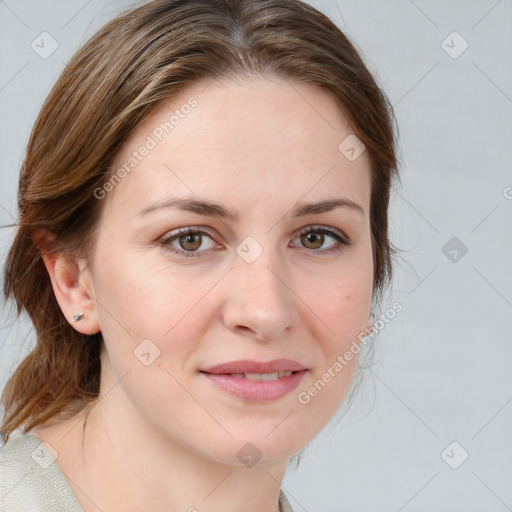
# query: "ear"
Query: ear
71,283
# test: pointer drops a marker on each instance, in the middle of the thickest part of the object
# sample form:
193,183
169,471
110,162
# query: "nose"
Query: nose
260,300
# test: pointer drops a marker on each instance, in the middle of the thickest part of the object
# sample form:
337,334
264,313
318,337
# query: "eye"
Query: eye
190,242
186,242
314,237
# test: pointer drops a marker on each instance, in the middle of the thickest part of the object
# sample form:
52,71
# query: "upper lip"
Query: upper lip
249,366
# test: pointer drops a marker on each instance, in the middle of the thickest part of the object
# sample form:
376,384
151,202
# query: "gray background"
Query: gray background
443,365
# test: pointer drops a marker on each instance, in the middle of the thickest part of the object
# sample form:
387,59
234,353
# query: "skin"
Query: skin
162,437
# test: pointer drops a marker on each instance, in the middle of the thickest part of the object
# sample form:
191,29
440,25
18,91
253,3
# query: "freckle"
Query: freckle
347,297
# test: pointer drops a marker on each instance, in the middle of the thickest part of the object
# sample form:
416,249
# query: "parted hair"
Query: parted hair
143,56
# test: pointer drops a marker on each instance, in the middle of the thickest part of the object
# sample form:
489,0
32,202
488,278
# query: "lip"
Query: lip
249,366
221,376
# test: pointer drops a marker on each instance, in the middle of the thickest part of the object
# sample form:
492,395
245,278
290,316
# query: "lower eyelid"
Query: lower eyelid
342,240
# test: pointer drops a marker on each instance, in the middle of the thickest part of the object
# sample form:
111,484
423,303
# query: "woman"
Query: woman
203,229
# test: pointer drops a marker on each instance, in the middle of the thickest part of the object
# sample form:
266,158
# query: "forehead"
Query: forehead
253,139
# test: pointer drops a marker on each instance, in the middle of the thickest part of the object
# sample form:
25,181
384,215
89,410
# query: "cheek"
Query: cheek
143,297
343,301
342,304
130,288
344,310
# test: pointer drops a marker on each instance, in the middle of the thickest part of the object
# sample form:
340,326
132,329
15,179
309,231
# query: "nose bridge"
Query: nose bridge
258,297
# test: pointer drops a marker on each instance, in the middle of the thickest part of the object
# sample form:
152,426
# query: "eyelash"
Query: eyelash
343,241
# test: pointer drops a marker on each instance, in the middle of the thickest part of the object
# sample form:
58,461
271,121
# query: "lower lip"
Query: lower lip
256,390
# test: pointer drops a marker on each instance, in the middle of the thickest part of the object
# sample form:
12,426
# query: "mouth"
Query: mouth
248,366
256,381
261,376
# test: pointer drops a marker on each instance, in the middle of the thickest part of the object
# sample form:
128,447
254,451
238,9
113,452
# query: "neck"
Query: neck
125,465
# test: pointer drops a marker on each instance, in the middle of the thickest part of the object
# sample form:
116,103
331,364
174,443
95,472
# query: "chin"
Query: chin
260,444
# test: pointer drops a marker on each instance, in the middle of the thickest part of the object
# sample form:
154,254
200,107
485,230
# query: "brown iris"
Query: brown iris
189,239
313,239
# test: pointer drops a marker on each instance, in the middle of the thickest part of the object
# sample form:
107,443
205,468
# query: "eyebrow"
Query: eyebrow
211,209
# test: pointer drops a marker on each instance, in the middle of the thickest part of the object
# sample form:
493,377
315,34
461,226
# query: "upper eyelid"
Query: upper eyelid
204,230
319,227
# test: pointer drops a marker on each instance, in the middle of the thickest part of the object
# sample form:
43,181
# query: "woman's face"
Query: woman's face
262,278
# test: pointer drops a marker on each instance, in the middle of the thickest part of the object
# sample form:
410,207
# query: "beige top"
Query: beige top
31,481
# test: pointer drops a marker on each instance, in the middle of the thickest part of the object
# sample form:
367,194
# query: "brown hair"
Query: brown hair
111,85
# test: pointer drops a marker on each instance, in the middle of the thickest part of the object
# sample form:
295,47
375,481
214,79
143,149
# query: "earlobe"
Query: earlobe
68,283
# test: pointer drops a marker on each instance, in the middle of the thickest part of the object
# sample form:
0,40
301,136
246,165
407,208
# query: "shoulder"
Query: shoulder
284,505
30,478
